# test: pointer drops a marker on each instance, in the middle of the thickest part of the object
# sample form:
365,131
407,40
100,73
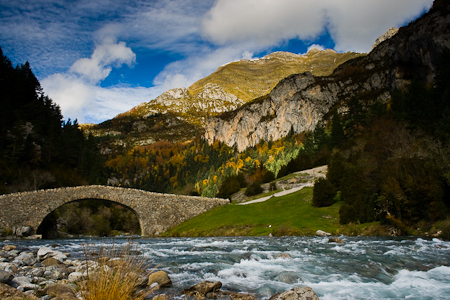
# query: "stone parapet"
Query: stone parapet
156,212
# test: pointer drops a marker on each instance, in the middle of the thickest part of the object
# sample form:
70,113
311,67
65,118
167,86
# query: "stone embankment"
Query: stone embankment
47,273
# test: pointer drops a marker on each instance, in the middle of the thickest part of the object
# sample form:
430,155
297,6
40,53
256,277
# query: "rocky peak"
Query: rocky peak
387,35
167,97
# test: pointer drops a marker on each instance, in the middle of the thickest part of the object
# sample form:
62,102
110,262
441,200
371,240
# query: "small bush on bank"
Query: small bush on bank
324,192
116,279
253,189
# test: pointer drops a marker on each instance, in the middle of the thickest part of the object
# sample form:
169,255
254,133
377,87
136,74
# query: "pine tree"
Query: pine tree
337,131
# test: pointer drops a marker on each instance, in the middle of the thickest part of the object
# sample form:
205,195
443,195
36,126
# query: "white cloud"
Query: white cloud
112,101
74,95
98,66
315,46
264,22
353,24
77,91
247,55
91,103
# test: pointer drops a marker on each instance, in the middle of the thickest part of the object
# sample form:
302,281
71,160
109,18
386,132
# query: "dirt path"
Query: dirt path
311,175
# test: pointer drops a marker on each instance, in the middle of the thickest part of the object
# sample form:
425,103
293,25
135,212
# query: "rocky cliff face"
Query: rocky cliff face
300,101
387,35
180,114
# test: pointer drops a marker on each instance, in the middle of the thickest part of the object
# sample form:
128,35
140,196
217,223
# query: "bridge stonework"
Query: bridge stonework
156,212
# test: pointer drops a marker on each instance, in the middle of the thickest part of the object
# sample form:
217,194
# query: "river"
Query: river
360,268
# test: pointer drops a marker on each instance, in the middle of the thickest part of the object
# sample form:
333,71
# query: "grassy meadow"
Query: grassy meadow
292,214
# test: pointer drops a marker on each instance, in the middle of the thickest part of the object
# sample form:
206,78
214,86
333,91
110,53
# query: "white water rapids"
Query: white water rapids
361,268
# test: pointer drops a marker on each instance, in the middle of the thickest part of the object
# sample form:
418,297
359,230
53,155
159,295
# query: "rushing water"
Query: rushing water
361,268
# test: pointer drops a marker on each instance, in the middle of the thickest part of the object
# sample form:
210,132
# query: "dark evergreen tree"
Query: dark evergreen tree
337,131
324,192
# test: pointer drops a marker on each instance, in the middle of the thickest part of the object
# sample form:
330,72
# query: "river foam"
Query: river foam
360,268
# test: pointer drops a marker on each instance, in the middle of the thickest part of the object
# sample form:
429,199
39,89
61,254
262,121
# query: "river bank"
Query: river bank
46,273
353,268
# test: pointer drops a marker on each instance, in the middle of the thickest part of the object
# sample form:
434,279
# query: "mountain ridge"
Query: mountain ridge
180,114
300,101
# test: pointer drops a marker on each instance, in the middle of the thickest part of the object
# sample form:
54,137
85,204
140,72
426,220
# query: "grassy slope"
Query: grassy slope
252,79
288,215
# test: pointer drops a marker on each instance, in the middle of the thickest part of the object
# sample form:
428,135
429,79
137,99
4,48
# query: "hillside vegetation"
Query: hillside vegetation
38,149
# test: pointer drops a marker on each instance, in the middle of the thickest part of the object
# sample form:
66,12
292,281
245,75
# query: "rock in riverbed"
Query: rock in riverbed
298,293
161,278
322,233
335,240
9,293
5,277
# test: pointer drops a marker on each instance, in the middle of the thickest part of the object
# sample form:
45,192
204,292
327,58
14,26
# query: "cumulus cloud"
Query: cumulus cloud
353,24
264,22
98,66
247,55
315,46
77,91
91,103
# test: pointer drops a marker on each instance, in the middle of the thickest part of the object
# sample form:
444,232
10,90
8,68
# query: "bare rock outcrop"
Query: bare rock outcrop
300,101
387,35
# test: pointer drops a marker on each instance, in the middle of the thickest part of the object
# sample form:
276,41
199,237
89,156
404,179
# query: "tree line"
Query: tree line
38,149
394,161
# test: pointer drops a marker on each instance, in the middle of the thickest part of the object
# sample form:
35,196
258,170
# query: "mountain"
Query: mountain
300,101
180,114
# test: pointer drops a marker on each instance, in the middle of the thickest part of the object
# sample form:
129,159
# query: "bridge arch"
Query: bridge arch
156,212
49,228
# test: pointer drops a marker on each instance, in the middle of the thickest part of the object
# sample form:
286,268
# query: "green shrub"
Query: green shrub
324,192
228,187
446,230
268,177
241,179
347,214
253,189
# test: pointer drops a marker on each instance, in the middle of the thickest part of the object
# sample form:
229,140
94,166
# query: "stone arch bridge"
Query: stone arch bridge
156,212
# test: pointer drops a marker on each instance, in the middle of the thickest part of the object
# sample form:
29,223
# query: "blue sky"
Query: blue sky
99,58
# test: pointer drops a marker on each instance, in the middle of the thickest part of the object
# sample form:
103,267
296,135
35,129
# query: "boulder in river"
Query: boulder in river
5,277
203,288
46,252
283,256
225,295
288,277
335,240
161,278
9,247
298,293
